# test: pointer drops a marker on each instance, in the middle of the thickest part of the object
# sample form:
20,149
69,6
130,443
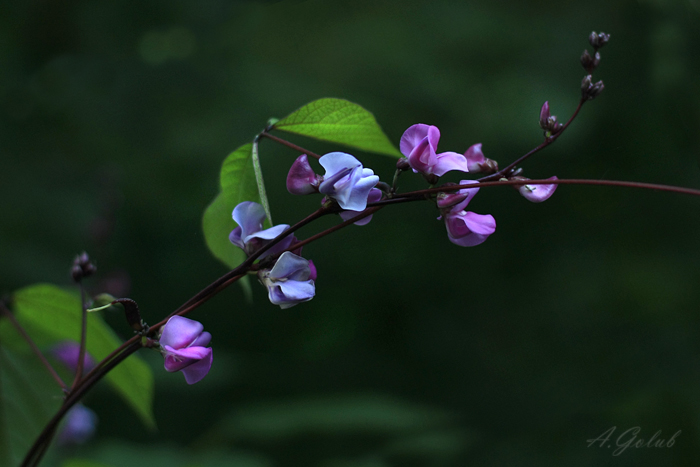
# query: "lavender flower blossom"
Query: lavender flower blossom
68,352
78,426
183,344
290,281
346,180
250,236
419,145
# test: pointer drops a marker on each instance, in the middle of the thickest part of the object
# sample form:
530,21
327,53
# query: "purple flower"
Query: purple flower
466,228
183,344
374,195
78,426
68,352
537,193
419,145
346,181
301,179
290,281
250,236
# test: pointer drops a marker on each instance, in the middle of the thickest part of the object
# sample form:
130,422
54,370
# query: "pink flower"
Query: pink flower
419,145
183,346
537,193
466,228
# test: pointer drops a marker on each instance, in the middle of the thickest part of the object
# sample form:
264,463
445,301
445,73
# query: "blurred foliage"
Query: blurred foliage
579,314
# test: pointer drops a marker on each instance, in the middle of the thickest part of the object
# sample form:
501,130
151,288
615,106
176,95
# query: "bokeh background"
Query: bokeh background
578,315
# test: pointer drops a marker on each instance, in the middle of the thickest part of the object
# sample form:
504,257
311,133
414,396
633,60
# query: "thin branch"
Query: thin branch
284,142
83,335
505,171
8,314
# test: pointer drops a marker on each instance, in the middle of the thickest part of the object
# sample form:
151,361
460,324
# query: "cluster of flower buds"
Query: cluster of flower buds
598,40
82,267
590,90
548,122
291,279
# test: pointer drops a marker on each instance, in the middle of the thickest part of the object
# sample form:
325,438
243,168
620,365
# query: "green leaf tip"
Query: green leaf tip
339,121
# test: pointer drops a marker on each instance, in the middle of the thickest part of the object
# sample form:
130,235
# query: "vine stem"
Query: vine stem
37,450
505,171
420,194
83,336
284,142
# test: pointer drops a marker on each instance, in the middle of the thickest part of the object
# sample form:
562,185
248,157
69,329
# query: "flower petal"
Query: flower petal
198,370
335,162
448,161
290,266
538,193
249,216
469,228
301,179
180,332
412,136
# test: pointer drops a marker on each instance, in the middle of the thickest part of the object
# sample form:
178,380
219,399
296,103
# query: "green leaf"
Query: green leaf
238,184
339,121
50,314
29,397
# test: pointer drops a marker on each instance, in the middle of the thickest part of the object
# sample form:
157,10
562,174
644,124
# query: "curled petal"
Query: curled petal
470,192
538,193
301,179
469,228
177,359
180,332
346,180
312,271
249,216
448,161
374,195
199,369
290,267
412,136
475,158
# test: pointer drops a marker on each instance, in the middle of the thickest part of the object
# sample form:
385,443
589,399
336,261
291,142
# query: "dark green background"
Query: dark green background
577,315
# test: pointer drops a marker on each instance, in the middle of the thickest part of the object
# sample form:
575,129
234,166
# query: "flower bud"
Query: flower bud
590,63
590,91
544,115
477,162
403,164
301,179
183,343
598,40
